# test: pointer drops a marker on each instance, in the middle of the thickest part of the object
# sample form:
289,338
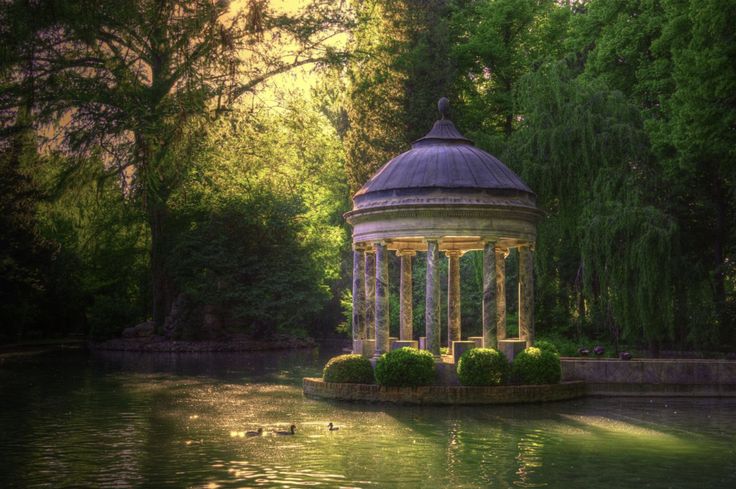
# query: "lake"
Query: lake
72,419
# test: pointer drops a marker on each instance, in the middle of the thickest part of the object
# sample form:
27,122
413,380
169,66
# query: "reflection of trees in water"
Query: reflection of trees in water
279,366
529,457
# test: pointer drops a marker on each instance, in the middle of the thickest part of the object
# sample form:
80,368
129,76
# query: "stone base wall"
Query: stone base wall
653,377
444,394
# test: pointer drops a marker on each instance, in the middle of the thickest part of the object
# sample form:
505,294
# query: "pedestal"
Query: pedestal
364,347
460,347
511,348
478,341
395,345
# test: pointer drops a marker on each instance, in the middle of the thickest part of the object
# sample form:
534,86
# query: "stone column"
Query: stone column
500,293
526,295
453,296
358,295
432,296
490,312
406,312
382,317
370,294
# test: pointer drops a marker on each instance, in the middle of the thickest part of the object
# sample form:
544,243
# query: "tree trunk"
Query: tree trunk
164,291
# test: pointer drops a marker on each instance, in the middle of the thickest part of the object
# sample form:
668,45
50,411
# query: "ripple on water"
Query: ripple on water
112,426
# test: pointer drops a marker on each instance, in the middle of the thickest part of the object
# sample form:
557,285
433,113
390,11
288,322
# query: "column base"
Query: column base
395,345
364,347
460,347
478,341
511,348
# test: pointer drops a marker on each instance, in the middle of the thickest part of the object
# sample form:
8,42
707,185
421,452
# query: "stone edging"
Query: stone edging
444,394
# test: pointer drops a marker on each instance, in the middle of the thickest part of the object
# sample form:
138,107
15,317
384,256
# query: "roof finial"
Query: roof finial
444,107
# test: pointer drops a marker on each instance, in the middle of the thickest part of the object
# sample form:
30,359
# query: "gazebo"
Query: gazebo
447,196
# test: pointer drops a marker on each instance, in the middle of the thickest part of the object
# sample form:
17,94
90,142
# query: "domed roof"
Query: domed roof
443,159
444,188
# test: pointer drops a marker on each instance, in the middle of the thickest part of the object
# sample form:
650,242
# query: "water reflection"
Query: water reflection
130,420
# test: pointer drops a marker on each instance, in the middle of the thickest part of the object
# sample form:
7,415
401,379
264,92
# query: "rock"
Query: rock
584,352
624,355
129,332
144,330
599,350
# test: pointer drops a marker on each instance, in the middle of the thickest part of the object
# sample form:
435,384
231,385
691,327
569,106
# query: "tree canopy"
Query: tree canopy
150,170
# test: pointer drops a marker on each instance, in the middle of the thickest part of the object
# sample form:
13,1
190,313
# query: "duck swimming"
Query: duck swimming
332,427
290,432
254,433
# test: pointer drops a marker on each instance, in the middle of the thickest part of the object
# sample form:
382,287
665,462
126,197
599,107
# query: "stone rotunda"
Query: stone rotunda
446,196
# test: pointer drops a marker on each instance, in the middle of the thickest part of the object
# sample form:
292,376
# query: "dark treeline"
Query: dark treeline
146,175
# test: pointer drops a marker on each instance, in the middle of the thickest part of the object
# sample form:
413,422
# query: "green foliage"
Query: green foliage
399,70
353,369
482,366
564,346
536,366
405,367
101,269
256,237
546,345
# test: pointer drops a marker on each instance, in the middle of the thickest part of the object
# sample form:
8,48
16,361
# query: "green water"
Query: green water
136,420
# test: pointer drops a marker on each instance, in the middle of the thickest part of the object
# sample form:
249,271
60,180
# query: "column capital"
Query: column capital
450,253
360,247
504,251
406,252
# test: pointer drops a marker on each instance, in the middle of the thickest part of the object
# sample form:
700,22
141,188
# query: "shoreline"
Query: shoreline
159,344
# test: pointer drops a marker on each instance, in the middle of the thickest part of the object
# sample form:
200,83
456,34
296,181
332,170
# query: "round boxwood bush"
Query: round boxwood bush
546,345
405,367
482,366
351,369
536,366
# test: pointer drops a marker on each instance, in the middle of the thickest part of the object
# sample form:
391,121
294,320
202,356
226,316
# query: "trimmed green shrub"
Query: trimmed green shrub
546,345
348,369
482,366
405,367
536,366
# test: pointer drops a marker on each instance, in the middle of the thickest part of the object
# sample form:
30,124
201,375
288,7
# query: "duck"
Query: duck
332,427
259,432
283,433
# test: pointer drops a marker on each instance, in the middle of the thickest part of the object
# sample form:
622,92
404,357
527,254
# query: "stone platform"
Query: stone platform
444,394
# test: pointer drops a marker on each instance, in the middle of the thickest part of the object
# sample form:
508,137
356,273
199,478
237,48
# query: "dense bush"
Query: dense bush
546,345
482,366
536,366
352,369
405,367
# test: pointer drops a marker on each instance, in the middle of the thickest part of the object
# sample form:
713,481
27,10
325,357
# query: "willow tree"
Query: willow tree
675,60
603,246
133,80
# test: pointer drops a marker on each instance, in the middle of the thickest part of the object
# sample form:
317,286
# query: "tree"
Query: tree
259,222
604,247
400,68
494,44
137,78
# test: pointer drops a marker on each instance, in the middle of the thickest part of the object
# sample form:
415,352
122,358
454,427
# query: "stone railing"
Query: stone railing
653,377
